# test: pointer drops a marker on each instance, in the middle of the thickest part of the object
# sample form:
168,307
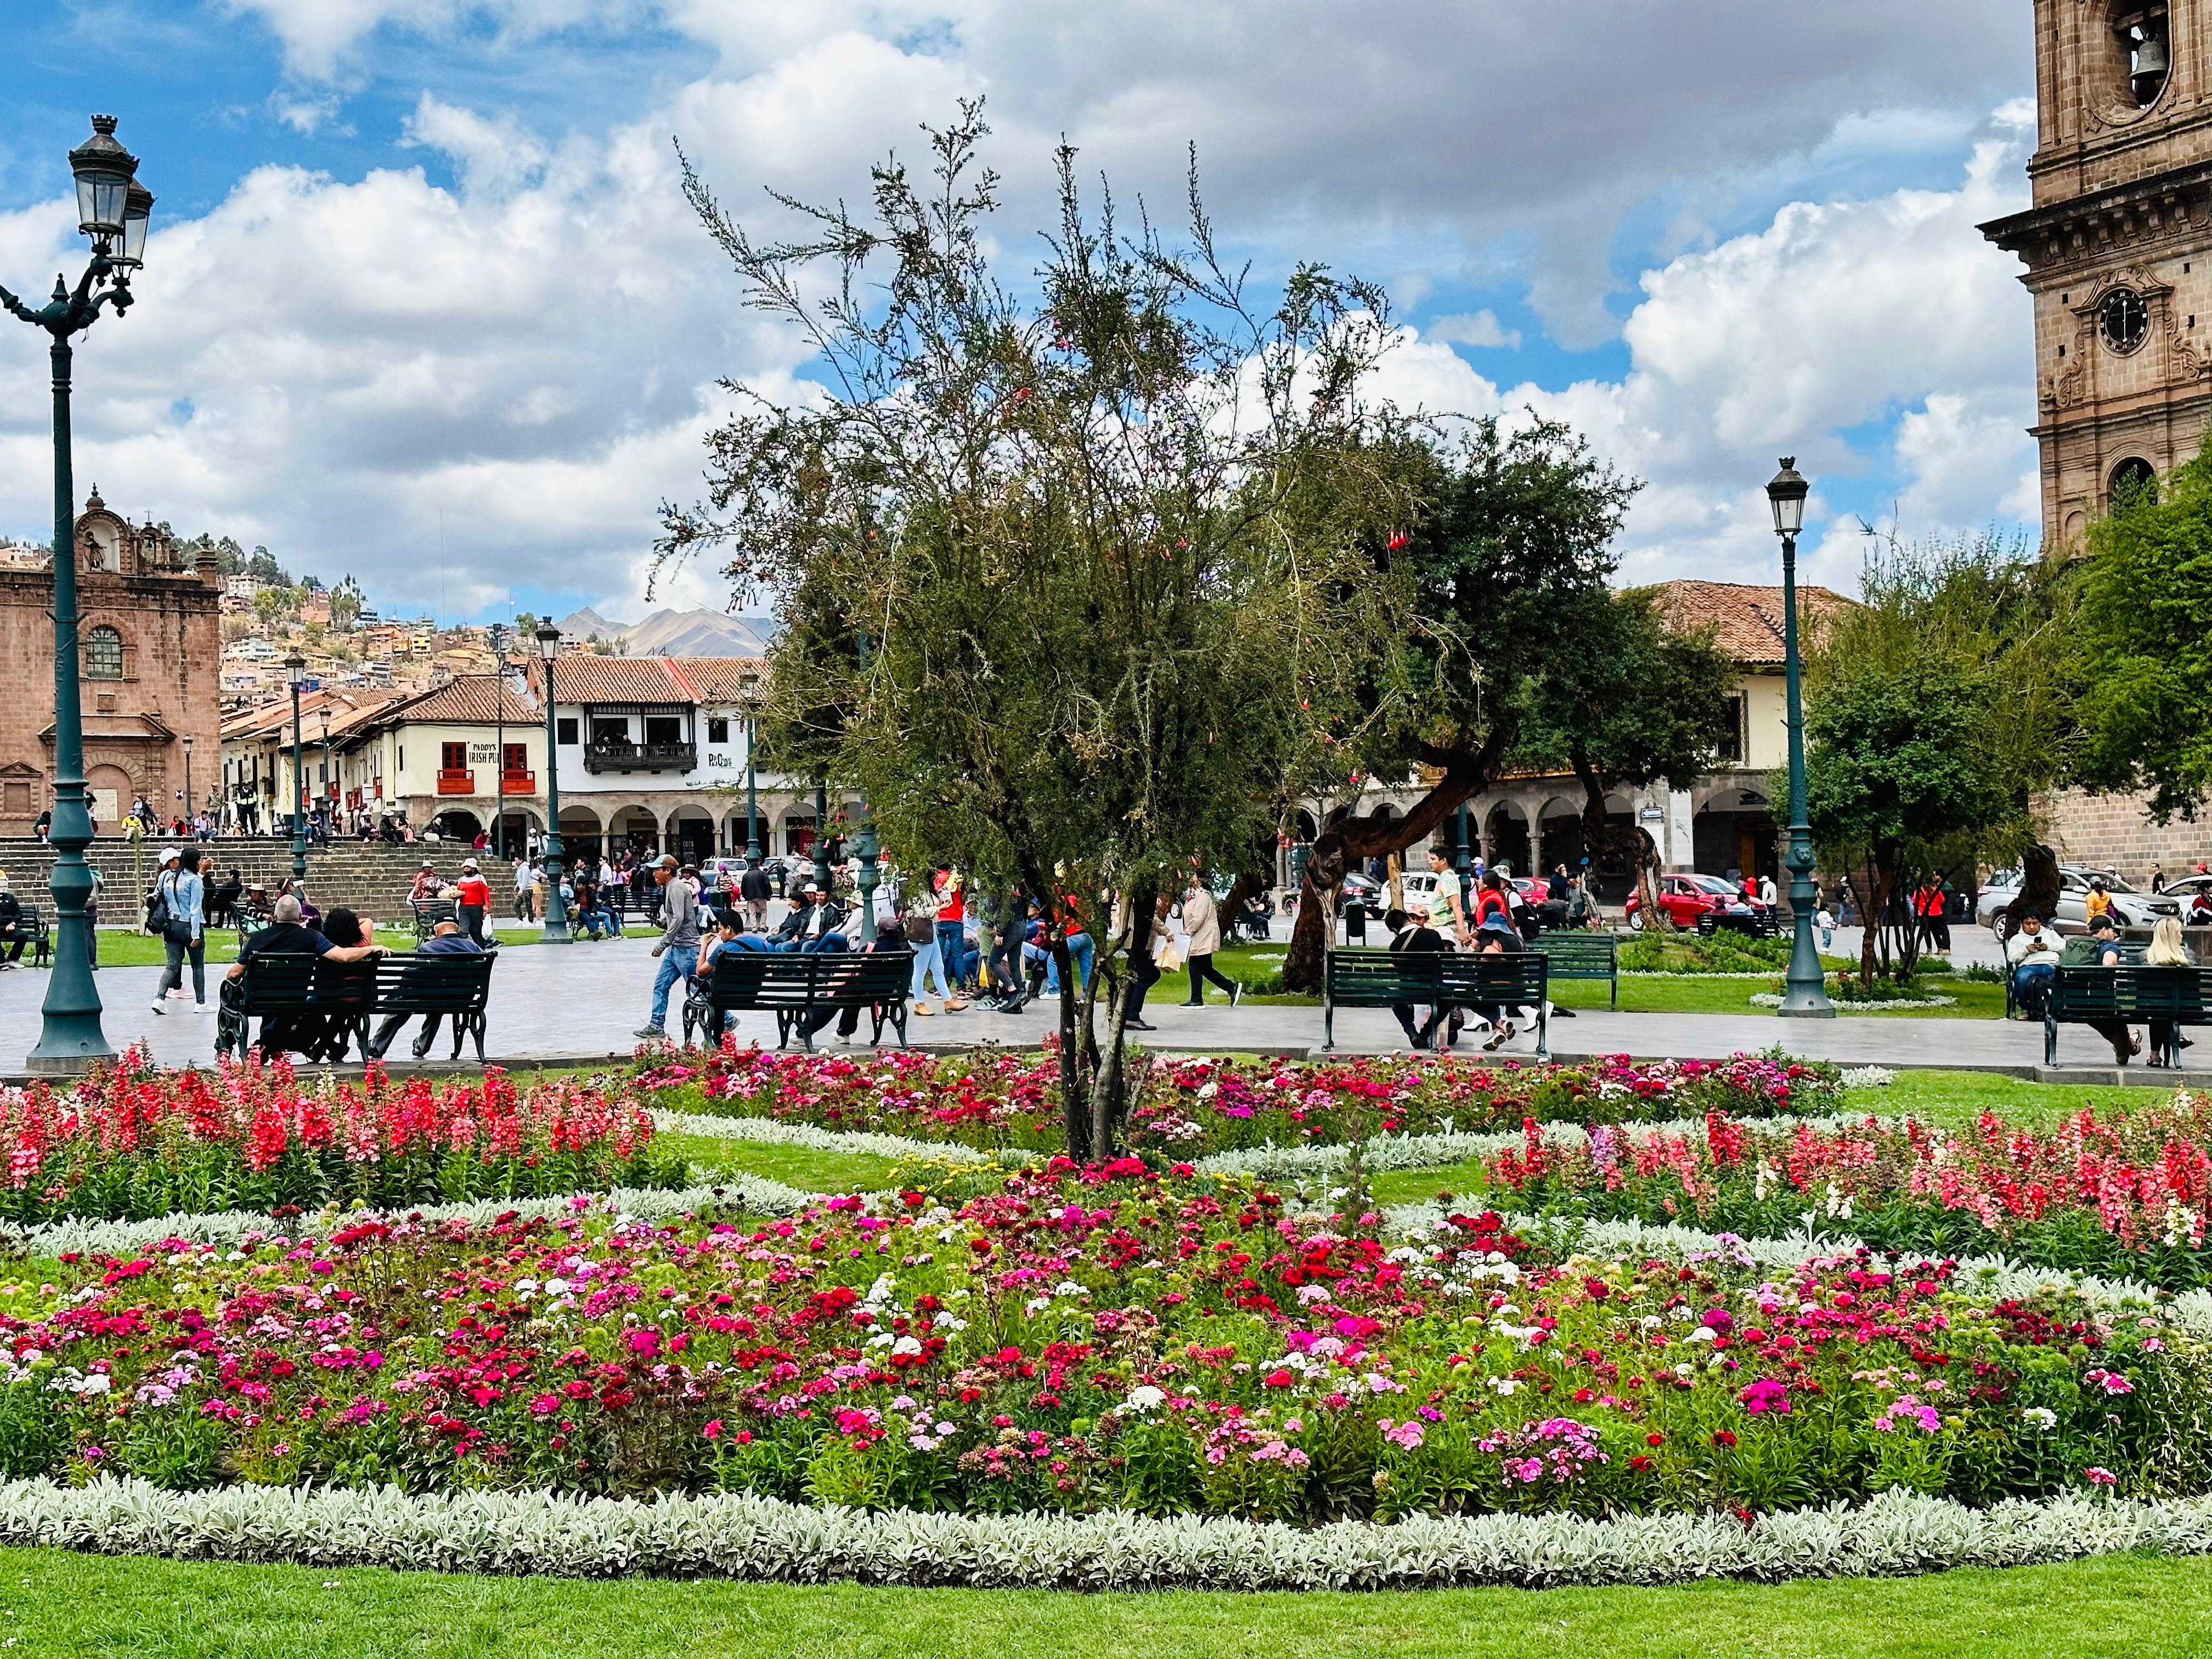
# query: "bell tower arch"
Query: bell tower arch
2117,247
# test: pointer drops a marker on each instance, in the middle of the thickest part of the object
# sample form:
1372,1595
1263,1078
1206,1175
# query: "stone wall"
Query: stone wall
373,880
2113,831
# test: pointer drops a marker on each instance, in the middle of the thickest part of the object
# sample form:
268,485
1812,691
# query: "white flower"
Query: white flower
1504,1385
1703,1333
906,1345
2042,1417
1143,1398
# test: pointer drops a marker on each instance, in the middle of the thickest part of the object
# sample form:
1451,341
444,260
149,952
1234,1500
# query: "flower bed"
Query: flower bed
135,1141
2120,1193
1080,1341
1190,1108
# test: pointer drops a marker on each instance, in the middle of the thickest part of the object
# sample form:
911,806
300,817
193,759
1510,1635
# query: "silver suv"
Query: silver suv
2131,907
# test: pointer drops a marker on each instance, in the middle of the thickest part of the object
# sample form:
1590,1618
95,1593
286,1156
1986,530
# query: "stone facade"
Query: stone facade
150,638
2113,832
2122,179
2122,217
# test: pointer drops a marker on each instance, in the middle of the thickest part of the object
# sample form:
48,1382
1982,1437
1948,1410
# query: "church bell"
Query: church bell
2151,64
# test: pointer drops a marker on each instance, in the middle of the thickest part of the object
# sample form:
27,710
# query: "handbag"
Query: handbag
1171,957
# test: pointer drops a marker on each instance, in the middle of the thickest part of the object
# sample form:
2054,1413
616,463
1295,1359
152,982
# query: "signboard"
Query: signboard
1653,814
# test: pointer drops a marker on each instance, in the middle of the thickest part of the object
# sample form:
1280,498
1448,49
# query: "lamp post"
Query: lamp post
326,802
295,669
113,210
557,914
1804,994
191,802
752,798
1460,861
822,836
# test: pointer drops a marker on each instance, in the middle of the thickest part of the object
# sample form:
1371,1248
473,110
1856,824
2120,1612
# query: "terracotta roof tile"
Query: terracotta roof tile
722,681
465,700
586,677
1744,620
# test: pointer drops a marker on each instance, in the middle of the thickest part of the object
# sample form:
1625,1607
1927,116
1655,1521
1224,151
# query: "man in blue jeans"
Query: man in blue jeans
678,948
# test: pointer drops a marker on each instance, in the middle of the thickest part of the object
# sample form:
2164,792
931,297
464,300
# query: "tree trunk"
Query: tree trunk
2038,889
1109,1083
1634,842
1908,932
1074,1096
1334,852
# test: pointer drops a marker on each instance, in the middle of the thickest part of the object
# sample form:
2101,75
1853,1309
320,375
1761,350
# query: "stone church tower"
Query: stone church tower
2118,248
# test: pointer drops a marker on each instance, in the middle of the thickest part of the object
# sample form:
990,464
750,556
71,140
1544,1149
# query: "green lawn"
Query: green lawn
802,1167
121,948
61,1606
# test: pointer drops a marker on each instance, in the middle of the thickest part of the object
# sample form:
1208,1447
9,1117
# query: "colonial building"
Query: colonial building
2121,218
1721,825
652,753
148,645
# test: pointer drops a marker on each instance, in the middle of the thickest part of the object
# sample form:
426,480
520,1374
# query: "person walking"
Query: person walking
952,891
920,924
679,944
1202,921
754,887
14,931
183,898
1447,903
526,889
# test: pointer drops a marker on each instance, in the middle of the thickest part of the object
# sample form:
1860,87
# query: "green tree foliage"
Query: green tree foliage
1935,711
1510,546
1631,701
2146,706
1074,579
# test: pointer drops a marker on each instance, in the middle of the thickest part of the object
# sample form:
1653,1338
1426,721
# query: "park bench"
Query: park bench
1584,956
348,995
37,936
2136,994
2079,951
793,985
1441,979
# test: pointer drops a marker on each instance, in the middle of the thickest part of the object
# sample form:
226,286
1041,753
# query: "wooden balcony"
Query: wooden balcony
620,756
517,783
461,782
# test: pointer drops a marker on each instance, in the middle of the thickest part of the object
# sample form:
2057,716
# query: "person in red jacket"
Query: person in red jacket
474,898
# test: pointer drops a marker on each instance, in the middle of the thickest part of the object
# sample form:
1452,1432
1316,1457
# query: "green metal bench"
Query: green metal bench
2138,995
795,986
1584,956
1441,979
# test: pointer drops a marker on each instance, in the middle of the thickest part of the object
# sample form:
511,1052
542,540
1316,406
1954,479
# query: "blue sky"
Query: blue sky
420,276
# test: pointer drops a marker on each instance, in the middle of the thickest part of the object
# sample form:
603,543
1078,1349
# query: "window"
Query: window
663,728
2134,483
611,732
1731,745
515,757
718,728
453,757
564,730
103,654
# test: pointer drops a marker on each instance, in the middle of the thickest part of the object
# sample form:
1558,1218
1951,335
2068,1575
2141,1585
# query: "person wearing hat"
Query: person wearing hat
473,895
678,946
2105,952
183,936
14,935
427,884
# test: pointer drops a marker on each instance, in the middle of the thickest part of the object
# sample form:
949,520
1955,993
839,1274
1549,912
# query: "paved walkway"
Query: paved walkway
583,1001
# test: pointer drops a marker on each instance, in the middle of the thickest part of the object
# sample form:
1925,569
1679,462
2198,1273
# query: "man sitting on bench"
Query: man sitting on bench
2106,953
283,937
447,939
14,934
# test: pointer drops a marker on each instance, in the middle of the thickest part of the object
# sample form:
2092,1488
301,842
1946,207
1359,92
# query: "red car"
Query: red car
1687,898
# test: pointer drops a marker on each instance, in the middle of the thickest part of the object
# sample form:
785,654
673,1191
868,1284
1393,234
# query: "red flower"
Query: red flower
1279,1379
1725,1438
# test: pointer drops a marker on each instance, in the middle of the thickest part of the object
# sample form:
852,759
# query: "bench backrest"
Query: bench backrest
306,980
765,979
2132,990
1578,953
1380,977
437,983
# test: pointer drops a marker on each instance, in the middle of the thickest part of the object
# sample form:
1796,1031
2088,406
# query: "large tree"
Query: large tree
1936,710
1511,539
1074,572
2147,632
1631,701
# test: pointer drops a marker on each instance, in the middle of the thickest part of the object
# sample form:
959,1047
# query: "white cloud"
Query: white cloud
1479,329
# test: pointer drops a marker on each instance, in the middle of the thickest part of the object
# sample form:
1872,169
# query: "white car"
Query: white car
2131,907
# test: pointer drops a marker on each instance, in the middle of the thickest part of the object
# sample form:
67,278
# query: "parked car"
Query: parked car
2131,907
1689,899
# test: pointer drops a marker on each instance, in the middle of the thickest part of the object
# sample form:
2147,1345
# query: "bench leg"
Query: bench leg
782,1029
1327,1027
2050,1040
1614,1004
1544,1030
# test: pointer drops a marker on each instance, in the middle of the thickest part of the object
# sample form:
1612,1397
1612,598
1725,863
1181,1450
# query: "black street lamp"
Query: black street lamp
295,669
191,805
496,632
822,838
113,210
557,914
1804,993
752,798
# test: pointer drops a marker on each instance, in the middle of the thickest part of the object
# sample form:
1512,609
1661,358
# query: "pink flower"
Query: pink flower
2100,1477
713,1430
1407,1434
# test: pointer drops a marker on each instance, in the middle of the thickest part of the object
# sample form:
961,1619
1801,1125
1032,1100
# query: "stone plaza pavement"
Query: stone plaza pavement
582,1002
